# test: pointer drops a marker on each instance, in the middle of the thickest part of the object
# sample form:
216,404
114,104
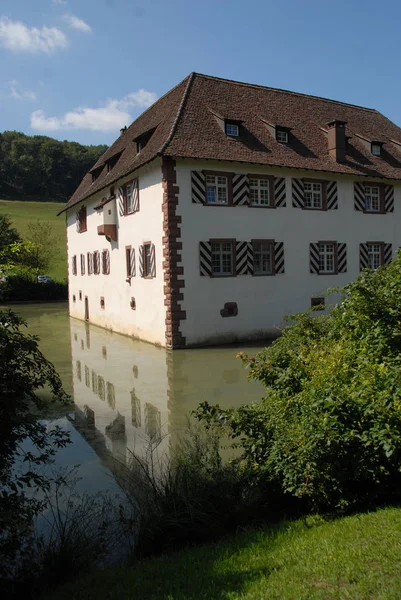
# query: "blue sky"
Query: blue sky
81,69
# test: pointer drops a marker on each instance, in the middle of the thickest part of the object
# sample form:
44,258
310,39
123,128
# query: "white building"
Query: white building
311,195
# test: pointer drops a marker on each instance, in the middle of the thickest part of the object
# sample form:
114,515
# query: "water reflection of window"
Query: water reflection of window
82,345
111,395
79,373
88,337
87,377
94,382
75,336
104,352
135,371
100,388
89,416
152,421
116,429
135,410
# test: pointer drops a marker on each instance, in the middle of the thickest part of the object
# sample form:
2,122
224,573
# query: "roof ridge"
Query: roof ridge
179,112
280,90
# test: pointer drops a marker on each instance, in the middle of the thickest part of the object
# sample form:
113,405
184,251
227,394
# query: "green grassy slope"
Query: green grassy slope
355,557
21,213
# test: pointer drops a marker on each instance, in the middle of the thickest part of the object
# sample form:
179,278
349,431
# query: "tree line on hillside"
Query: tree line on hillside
42,168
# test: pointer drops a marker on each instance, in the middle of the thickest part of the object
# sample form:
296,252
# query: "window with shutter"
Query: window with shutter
106,262
74,265
130,261
149,260
222,258
96,262
82,264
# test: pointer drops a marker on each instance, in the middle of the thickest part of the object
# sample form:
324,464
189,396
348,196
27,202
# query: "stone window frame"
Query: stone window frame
233,273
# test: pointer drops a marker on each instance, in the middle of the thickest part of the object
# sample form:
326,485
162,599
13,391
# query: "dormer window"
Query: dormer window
112,162
143,139
282,136
231,129
376,148
95,173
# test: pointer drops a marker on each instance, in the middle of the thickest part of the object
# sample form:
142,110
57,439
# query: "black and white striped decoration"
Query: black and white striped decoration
132,262
389,198
198,184
363,256
388,254
279,192
332,197
141,252
298,200
249,258
341,258
152,261
120,201
278,258
135,195
359,196
240,186
205,259
241,261
314,258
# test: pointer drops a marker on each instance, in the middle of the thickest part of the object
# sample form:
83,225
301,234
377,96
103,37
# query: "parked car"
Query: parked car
44,279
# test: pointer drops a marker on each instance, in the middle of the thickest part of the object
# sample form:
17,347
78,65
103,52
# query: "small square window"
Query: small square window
232,129
376,149
317,303
282,136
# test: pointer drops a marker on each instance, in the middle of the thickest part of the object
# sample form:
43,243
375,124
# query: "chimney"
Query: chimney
123,130
337,140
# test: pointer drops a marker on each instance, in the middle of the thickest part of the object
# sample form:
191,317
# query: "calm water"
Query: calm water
128,393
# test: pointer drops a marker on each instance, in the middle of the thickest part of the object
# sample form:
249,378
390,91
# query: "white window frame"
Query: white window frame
327,252
129,194
266,250
259,185
313,194
375,251
370,197
282,136
231,129
222,249
216,183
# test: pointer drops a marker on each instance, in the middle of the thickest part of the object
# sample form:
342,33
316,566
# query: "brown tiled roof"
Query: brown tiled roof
186,121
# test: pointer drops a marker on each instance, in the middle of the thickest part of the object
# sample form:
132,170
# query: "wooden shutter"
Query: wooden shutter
341,258
240,186
132,262
279,192
106,262
91,261
363,256
152,261
241,265
359,196
249,258
77,221
389,198
278,258
120,201
141,252
135,195
205,259
314,258
82,264
388,254
332,196
198,183
298,198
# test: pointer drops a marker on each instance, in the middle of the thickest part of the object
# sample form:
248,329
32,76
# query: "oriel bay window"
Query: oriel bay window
222,255
263,257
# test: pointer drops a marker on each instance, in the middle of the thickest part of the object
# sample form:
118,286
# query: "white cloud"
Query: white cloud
77,23
110,117
17,93
16,36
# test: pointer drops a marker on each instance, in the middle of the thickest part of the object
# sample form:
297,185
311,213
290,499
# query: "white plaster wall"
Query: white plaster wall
263,301
148,320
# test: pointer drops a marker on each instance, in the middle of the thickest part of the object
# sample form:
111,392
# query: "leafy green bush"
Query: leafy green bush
24,287
329,429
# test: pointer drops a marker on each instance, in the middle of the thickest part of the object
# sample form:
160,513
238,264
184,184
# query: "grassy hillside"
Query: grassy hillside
22,213
355,557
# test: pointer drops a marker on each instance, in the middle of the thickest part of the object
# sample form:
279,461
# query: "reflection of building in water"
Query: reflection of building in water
130,394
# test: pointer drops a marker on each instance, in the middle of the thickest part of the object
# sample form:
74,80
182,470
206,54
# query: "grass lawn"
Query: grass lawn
356,558
22,213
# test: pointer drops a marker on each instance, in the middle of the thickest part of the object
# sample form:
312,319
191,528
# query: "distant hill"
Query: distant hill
42,168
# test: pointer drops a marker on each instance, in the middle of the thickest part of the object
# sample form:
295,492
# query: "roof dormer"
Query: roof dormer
372,146
281,133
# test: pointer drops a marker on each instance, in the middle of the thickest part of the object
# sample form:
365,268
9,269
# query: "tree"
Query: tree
43,253
24,372
329,429
8,235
